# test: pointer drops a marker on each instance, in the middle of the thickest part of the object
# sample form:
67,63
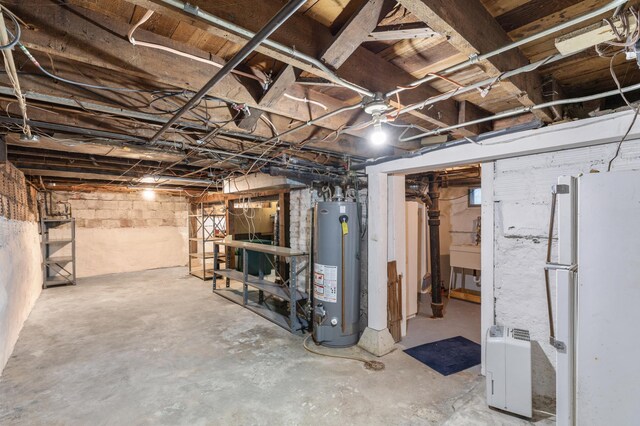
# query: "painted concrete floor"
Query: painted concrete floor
460,319
156,347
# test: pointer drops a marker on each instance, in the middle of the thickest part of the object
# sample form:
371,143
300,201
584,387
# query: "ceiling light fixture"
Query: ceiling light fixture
376,107
26,138
378,136
149,194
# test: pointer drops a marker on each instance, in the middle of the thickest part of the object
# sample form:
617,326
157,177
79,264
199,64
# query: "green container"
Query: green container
254,259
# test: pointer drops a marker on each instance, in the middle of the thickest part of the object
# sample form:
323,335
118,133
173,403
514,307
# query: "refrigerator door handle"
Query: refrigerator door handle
551,266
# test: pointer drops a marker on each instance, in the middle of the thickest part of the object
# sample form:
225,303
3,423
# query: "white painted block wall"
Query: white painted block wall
20,279
122,232
522,195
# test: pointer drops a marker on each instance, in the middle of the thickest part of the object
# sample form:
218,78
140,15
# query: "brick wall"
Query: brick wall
17,199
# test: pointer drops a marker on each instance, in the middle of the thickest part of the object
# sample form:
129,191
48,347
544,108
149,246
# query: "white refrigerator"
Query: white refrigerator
597,310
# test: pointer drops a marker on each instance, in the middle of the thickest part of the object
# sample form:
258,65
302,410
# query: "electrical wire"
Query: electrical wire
624,138
265,83
630,38
18,30
10,67
73,82
309,101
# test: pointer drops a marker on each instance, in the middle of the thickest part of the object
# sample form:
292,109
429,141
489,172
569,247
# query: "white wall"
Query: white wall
522,195
457,222
20,279
456,218
20,257
121,232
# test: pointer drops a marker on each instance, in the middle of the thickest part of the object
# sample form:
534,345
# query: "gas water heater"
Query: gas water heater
336,273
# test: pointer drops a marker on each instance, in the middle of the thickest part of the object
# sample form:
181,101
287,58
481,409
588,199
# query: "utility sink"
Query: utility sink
465,256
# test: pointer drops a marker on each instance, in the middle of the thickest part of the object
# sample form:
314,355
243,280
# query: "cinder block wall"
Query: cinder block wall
20,256
122,232
522,197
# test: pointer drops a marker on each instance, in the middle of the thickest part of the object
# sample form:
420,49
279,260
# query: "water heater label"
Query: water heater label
325,283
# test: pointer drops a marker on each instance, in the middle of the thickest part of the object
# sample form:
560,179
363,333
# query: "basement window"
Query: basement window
475,197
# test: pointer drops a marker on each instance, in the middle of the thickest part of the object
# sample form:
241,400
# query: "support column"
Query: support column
487,307
396,236
376,338
434,251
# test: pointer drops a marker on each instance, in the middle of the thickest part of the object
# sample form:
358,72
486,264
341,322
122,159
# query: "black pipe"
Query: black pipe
434,247
275,22
304,177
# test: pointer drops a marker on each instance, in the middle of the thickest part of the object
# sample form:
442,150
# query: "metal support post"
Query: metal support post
434,249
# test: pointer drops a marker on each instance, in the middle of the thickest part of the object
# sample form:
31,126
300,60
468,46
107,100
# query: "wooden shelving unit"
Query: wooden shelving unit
207,224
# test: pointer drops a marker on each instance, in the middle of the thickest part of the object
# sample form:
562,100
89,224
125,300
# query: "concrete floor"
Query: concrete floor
460,319
158,347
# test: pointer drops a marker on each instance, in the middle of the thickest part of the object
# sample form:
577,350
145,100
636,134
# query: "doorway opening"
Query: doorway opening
447,204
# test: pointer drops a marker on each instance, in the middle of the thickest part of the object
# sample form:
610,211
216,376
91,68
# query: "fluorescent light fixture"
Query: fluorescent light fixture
587,37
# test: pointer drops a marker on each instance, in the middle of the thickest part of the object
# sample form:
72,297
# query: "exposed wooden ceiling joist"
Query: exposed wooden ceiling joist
472,30
88,37
363,67
401,32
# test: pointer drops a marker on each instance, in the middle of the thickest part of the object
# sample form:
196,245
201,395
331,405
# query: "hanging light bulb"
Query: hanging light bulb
378,136
149,194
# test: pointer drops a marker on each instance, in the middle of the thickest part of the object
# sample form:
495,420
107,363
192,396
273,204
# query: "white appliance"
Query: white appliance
598,295
508,360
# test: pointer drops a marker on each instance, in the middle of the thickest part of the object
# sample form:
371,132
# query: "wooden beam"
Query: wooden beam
469,111
401,32
88,37
350,37
308,36
281,83
471,29
355,31
76,111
